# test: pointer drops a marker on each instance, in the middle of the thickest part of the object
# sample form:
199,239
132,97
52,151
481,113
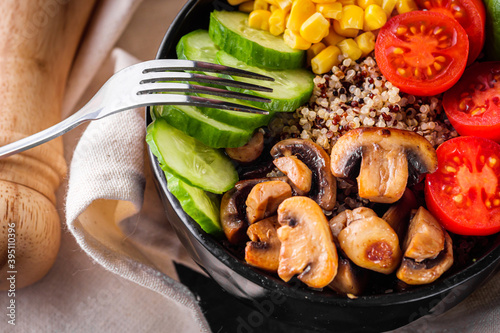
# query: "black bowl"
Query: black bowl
292,303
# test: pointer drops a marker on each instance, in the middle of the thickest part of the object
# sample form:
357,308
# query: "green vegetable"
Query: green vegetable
492,38
230,31
202,206
291,88
190,160
192,121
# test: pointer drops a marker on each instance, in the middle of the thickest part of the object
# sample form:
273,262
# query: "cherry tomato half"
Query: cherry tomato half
469,13
473,104
422,52
464,192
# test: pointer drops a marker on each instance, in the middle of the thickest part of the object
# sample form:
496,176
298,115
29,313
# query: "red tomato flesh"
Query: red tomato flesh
471,15
464,192
473,104
422,52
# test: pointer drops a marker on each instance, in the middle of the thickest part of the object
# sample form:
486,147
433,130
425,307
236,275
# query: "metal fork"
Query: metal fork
143,84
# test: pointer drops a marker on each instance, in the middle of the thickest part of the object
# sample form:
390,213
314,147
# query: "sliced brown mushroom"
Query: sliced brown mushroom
307,248
372,244
250,151
391,159
233,209
324,184
264,199
425,238
350,279
398,215
341,220
298,173
428,270
263,250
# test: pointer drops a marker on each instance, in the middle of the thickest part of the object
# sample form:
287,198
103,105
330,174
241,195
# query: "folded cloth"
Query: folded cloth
115,215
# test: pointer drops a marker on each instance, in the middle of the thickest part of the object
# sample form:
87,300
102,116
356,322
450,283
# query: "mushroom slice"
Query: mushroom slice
391,159
264,199
299,174
372,244
263,250
324,184
250,151
350,279
307,247
232,210
425,238
398,215
341,220
428,270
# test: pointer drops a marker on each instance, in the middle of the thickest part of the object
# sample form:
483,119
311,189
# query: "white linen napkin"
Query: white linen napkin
114,213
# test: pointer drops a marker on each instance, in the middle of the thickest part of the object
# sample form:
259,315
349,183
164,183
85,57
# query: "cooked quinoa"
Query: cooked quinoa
357,95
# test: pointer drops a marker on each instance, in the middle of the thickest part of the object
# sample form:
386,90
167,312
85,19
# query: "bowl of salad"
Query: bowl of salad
369,195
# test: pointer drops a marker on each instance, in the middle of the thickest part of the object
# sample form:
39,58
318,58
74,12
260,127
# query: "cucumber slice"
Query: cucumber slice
198,45
291,88
192,121
190,160
230,31
202,206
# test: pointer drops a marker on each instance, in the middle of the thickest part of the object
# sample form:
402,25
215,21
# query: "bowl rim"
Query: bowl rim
273,284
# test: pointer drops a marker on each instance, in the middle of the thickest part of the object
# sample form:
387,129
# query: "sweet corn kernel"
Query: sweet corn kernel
352,17
235,2
277,22
272,8
259,19
350,48
246,7
260,5
301,10
405,6
344,32
388,6
366,42
271,2
295,41
284,4
315,28
333,38
325,60
323,1
375,18
330,10
347,2
314,50
365,3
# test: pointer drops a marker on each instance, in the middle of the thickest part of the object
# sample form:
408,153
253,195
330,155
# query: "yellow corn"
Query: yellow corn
405,6
284,4
314,50
235,2
295,41
260,5
366,42
271,2
365,3
347,2
388,6
330,10
323,1
333,38
375,18
277,22
301,10
344,32
352,17
246,7
350,48
325,60
259,19
315,28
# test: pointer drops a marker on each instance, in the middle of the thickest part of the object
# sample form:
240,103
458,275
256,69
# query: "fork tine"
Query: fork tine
170,99
194,77
160,65
158,87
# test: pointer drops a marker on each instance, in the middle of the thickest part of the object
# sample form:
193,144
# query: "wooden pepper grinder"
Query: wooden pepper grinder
38,41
